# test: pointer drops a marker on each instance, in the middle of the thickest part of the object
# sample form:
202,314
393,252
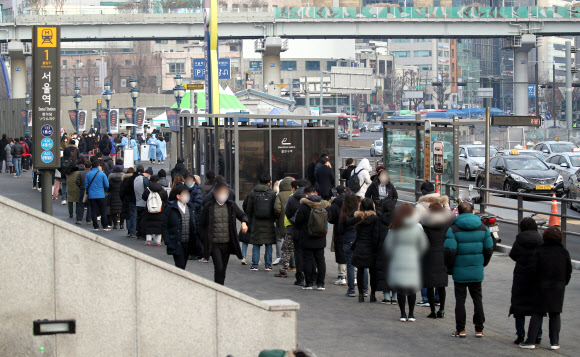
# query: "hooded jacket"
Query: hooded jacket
292,205
367,238
468,248
404,248
523,286
115,203
385,212
424,202
73,192
152,222
363,171
285,191
435,226
301,223
96,188
3,143
263,231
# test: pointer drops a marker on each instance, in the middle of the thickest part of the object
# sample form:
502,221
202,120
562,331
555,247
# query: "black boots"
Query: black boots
361,298
373,298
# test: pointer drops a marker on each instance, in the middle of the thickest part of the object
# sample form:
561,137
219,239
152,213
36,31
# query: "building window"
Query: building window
123,82
425,67
343,64
77,82
62,83
418,40
161,42
181,42
175,65
79,63
85,82
288,65
96,82
402,53
234,48
127,63
422,53
312,65
330,64
401,40
63,63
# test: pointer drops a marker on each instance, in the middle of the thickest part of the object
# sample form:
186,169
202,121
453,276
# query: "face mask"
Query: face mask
184,199
383,179
222,198
189,184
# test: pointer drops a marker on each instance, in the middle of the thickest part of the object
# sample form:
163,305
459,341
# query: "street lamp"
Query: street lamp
77,99
27,101
178,91
134,95
107,95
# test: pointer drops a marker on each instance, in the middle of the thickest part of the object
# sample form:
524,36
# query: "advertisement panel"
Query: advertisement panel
114,121
140,120
82,121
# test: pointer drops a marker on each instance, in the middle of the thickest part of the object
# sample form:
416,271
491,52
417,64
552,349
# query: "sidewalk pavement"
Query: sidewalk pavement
334,325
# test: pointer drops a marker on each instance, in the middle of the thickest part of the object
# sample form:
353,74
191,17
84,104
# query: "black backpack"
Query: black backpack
65,163
263,205
353,182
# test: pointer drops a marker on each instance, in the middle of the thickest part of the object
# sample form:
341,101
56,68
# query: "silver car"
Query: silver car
471,158
377,148
567,164
554,147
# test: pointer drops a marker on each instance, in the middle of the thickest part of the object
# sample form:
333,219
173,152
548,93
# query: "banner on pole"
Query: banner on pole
140,120
114,121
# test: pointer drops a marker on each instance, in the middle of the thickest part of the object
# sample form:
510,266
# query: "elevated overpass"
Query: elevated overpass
311,22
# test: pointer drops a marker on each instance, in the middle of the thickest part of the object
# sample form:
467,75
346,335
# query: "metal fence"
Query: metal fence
10,117
508,138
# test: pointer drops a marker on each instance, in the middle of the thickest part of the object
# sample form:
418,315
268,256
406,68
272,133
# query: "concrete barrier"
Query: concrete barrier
125,303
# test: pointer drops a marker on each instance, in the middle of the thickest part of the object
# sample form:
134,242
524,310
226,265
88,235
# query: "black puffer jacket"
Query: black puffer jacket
115,202
152,221
171,228
300,223
553,270
385,212
436,225
524,275
207,221
367,238
334,218
373,192
263,230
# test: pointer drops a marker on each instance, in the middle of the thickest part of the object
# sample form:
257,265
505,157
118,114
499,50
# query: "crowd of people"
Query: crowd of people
380,245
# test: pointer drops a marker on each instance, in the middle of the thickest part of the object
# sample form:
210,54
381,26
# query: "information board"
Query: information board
516,120
45,96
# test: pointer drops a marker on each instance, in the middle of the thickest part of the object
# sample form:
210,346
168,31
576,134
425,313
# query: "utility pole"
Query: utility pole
569,85
555,112
321,106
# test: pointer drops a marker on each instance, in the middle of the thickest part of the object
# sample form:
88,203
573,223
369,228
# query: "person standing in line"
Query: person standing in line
73,191
337,239
152,142
523,286
287,249
362,172
161,147
115,201
195,201
436,224
262,218
17,150
218,228
133,144
367,238
381,188
468,249
163,181
311,222
3,143
552,269
405,244
152,220
325,179
284,191
128,210
347,233
178,226
140,185
347,172
385,212
80,182
96,184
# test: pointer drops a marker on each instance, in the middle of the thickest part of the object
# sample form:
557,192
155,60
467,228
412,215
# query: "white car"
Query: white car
554,147
471,157
567,164
377,148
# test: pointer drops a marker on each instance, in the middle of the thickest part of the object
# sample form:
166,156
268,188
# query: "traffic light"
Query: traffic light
575,85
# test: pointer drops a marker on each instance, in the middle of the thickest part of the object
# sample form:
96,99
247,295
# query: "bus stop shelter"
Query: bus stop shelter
249,145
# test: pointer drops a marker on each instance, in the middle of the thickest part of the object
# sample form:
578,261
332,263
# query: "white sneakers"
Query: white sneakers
276,262
63,202
340,281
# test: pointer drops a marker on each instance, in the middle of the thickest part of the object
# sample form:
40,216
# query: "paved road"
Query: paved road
334,325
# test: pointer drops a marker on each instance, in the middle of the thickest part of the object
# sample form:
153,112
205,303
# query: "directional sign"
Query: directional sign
46,95
223,68
531,90
516,120
194,86
547,116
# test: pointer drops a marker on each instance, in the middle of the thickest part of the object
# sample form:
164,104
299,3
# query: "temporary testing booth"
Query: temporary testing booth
249,145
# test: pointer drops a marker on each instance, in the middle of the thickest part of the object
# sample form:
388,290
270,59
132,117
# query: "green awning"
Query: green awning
227,102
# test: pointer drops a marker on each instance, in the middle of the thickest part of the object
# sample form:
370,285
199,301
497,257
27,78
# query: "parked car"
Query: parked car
364,127
343,135
522,173
567,164
574,191
376,128
471,157
554,147
377,148
531,152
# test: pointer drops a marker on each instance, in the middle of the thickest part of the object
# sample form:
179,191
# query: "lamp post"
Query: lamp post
178,93
77,99
107,95
134,95
27,101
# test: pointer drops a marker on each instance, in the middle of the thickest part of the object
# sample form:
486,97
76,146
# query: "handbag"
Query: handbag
86,196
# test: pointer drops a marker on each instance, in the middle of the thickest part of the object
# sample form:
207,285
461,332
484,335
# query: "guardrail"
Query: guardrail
448,187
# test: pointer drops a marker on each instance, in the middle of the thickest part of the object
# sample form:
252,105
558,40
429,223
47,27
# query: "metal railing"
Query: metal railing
564,202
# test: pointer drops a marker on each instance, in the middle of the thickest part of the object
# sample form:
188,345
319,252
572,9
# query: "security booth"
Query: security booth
249,145
426,149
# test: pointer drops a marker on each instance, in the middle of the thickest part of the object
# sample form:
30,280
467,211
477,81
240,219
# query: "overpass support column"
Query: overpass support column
522,47
17,69
271,47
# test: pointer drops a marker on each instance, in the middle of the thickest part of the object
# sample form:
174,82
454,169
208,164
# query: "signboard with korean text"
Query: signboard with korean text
114,121
46,95
140,120
516,120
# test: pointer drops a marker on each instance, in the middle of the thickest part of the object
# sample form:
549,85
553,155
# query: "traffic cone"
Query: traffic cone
554,219
437,183
400,175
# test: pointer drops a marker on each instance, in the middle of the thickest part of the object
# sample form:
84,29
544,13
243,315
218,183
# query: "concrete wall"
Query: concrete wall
125,303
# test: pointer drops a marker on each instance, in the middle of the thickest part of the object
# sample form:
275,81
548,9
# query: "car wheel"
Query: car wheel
507,188
467,173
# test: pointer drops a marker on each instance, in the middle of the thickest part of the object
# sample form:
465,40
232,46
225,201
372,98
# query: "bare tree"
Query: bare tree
58,5
38,5
440,93
169,5
410,79
146,66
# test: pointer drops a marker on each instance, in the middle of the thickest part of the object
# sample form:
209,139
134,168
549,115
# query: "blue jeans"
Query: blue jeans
244,249
256,255
424,294
18,165
387,295
132,221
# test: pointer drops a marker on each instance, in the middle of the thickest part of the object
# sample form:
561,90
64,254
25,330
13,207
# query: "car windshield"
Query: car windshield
379,143
562,147
480,152
575,160
525,163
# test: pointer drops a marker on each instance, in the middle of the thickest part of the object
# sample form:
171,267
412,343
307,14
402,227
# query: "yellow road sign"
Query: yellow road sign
193,86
